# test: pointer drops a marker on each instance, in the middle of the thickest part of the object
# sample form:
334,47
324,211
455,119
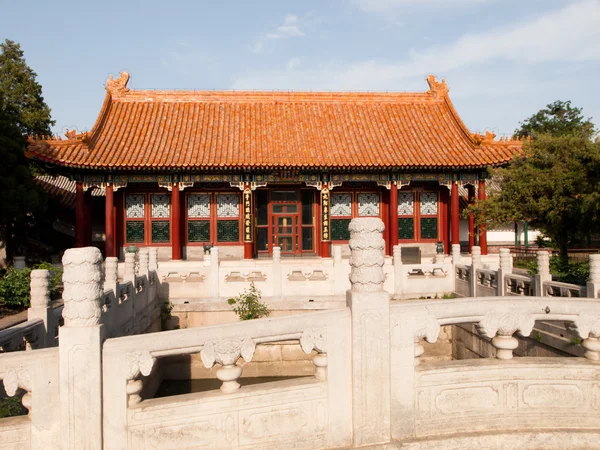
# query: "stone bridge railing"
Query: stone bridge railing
369,386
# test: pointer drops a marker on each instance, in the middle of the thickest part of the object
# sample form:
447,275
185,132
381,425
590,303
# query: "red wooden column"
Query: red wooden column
87,218
482,230
248,223
471,190
109,228
325,223
454,212
175,223
79,215
393,221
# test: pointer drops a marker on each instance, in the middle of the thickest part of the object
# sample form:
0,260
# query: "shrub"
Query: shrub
248,304
15,285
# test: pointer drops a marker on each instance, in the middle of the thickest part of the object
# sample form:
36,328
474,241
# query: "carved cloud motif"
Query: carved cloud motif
16,378
227,351
506,324
313,338
139,362
587,324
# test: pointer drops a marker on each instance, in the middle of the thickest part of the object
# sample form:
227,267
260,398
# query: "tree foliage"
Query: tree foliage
248,305
557,119
23,113
554,183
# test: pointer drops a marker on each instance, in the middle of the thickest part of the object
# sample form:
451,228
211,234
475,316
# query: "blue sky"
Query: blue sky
503,59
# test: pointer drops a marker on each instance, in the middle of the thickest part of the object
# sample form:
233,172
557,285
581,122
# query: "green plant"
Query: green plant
12,406
537,336
15,285
448,296
575,340
165,314
248,305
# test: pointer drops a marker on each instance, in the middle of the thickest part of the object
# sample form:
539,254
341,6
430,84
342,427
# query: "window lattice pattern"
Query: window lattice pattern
368,205
341,204
161,232
199,231
199,205
160,206
228,231
134,206
134,232
339,229
406,203
429,203
228,205
429,228
406,228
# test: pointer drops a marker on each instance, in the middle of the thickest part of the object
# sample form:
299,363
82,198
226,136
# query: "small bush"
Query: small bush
12,406
248,305
15,285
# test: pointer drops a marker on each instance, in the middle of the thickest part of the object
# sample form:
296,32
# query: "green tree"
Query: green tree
557,119
23,113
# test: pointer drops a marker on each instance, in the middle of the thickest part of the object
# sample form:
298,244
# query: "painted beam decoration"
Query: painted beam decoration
247,214
325,211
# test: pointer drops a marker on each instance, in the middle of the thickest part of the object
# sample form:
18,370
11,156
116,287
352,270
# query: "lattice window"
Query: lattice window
134,232
406,203
368,204
228,205
406,228
160,206
429,228
161,232
134,206
199,231
339,229
341,205
228,231
429,203
199,205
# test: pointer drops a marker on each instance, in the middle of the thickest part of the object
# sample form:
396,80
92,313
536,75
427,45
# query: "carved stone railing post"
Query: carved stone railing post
340,271
370,308
500,327
316,340
543,272
277,273
137,363
40,309
504,269
587,326
153,258
129,274
593,284
80,349
214,272
456,258
226,352
111,270
475,264
397,259
144,262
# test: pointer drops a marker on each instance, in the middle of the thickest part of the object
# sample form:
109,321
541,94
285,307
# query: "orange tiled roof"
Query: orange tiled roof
140,129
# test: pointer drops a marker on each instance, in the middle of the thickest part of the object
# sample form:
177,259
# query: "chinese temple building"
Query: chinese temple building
250,171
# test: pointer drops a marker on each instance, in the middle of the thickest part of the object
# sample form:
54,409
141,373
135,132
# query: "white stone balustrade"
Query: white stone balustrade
130,264
593,284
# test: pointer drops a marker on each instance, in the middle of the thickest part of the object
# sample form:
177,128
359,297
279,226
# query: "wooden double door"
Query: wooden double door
290,221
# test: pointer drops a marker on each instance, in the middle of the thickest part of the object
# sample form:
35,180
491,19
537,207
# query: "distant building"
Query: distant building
248,171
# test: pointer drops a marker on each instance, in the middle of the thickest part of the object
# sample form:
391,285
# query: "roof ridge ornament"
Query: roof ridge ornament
437,88
117,86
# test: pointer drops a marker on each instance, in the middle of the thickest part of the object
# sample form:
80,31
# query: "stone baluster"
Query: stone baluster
370,308
500,327
398,277
587,326
543,272
316,339
277,273
129,267
226,352
214,272
153,258
475,264
504,269
40,309
138,363
456,258
80,349
144,262
340,271
593,284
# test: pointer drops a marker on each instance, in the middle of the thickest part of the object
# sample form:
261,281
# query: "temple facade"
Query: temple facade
251,171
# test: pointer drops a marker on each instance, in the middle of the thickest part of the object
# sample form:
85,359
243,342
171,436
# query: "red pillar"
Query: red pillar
454,226
109,245
482,229
79,215
175,223
87,220
393,215
471,190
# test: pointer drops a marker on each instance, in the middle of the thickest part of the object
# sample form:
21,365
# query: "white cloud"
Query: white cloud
290,28
391,5
570,34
